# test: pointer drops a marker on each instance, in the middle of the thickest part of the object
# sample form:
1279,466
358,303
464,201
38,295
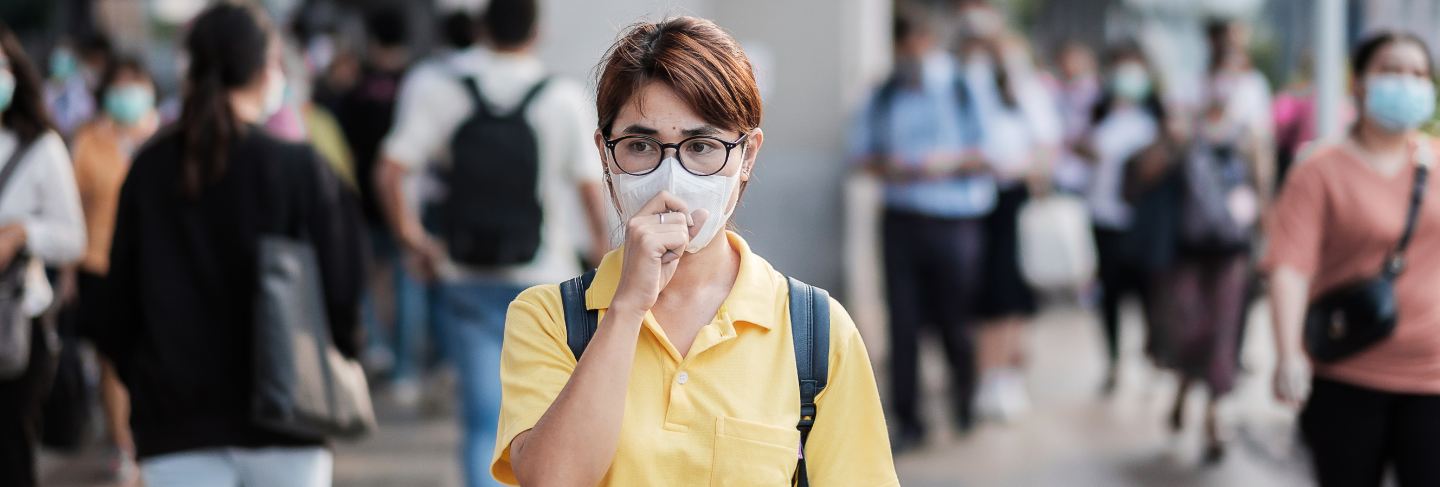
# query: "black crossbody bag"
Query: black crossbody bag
1353,317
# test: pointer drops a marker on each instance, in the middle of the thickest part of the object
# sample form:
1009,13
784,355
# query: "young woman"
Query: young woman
178,300
103,149
1340,213
1128,118
40,224
690,377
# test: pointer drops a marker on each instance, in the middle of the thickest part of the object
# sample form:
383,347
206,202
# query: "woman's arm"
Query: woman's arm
576,439
56,234
574,442
1289,291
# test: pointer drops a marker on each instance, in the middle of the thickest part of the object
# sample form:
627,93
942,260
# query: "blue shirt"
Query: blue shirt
912,122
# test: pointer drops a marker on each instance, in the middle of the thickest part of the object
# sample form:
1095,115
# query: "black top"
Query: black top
366,114
176,312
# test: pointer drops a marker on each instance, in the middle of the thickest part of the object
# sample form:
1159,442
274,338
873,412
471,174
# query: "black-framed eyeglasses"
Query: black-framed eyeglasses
701,155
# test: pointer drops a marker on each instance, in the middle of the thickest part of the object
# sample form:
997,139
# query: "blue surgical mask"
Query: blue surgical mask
1399,102
63,64
1130,82
128,104
7,89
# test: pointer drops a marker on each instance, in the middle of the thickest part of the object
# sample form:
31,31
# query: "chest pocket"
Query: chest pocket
753,454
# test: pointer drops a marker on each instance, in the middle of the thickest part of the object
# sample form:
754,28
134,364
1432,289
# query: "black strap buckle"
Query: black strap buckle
807,415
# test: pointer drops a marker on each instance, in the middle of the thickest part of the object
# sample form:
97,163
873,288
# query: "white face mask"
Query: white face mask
274,93
711,193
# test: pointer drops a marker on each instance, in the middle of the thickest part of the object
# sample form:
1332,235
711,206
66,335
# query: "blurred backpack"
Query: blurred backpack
1220,207
491,215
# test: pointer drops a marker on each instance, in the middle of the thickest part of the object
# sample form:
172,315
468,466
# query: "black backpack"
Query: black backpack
809,326
491,215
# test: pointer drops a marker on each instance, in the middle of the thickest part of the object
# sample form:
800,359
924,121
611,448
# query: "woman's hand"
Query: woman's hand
1292,380
655,239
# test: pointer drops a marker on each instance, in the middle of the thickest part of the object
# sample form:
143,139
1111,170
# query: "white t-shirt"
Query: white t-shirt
432,103
1123,133
42,196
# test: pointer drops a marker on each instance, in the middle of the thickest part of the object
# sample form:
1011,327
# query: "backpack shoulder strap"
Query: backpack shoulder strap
580,323
810,327
530,97
472,88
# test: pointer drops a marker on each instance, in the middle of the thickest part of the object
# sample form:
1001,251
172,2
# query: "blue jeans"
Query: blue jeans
473,315
241,467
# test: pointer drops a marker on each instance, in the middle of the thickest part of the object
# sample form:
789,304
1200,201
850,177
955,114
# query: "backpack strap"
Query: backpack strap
472,88
530,97
580,323
810,327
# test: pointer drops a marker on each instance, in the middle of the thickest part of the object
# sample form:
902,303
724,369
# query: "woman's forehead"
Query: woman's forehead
1402,54
658,107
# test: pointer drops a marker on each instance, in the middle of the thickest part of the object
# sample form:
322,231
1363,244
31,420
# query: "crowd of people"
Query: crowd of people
444,196
1184,195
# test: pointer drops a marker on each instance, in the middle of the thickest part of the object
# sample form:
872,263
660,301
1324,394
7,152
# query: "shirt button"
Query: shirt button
682,378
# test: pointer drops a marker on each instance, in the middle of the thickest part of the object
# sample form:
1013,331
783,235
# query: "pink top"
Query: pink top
1334,221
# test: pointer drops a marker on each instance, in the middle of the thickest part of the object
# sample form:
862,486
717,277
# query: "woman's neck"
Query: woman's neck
701,268
1376,140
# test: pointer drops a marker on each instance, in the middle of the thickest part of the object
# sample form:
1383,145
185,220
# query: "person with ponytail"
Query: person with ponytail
177,302
40,224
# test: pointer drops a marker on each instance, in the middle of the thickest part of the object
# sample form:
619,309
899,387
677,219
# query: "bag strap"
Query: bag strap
580,323
1395,262
530,97
13,163
472,88
810,327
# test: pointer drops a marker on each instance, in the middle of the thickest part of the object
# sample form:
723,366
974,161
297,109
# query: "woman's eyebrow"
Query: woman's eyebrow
640,130
701,130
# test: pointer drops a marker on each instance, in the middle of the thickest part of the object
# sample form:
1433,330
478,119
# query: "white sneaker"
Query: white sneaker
990,399
1014,396
405,393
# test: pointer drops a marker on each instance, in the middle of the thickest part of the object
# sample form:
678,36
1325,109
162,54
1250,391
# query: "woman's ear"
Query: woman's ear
600,148
752,148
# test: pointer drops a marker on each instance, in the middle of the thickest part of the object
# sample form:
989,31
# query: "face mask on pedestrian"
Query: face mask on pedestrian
127,104
63,64
7,89
1130,82
274,92
1399,102
711,193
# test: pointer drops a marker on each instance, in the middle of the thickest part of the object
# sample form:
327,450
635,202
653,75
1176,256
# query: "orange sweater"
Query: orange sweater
101,164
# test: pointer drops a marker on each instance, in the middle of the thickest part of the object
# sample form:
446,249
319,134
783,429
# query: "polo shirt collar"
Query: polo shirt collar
754,299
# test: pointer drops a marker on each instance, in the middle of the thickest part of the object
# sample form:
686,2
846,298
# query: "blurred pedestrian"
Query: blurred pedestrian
1021,139
514,146
691,376
1077,89
1338,223
1127,118
920,133
75,71
103,151
178,302
40,224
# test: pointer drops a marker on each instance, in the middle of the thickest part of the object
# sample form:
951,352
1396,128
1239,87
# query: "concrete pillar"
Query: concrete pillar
1329,67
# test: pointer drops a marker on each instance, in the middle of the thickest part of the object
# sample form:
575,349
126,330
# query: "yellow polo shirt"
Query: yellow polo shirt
725,413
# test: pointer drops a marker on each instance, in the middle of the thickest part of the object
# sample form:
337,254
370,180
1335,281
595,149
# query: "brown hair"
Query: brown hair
693,56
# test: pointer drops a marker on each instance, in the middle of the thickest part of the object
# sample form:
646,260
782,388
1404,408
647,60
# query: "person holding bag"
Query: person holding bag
1354,262
40,223
193,300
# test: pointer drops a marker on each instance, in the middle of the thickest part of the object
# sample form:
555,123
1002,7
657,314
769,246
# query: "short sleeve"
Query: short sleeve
535,365
1296,222
579,153
430,105
849,444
